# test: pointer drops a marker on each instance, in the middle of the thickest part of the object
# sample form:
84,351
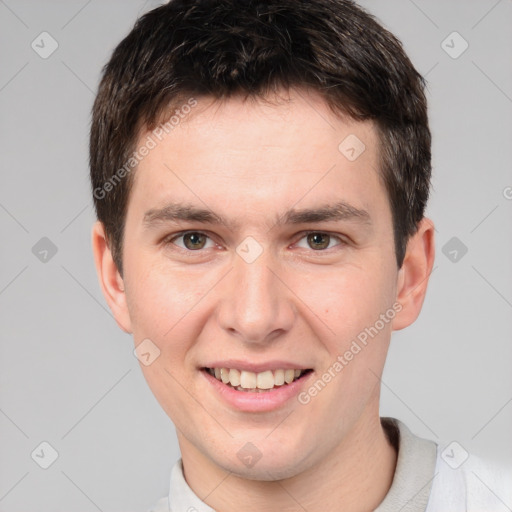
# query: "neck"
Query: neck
356,476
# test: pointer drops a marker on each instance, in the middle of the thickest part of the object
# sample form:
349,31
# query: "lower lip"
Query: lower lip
248,401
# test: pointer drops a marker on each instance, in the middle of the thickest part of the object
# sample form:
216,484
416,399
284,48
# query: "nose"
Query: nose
256,304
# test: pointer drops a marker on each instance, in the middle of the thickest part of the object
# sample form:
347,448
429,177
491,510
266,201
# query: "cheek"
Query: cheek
351,304
346,301
160,300
164,309
363,324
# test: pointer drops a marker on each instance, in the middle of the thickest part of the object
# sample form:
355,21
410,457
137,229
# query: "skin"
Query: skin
251,161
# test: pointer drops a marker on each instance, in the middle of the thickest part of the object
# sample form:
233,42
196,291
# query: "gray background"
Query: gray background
67,373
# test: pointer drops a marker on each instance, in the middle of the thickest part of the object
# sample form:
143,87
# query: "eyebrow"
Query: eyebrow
173,212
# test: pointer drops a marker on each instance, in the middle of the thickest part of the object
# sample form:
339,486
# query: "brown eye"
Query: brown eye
194,241
321,242
189,241
318,241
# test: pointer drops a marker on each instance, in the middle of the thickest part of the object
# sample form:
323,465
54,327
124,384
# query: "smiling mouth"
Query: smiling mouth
261,382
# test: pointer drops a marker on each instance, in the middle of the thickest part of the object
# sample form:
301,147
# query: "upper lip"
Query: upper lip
256,367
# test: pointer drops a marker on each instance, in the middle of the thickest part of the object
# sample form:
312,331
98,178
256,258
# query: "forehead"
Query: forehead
249,155
299,120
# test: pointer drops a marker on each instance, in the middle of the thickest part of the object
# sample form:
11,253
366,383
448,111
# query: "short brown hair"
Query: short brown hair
219,48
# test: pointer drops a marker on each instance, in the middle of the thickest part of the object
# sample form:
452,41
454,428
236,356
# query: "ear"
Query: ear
414,274
109,277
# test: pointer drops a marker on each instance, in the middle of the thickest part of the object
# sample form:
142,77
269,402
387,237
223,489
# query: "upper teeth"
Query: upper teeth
250,380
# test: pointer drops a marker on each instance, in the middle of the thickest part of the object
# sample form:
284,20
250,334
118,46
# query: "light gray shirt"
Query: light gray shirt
428,478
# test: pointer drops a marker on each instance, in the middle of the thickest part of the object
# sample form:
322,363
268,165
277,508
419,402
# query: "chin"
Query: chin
268,471
270,463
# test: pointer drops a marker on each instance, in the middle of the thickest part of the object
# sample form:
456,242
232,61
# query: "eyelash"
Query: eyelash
170,240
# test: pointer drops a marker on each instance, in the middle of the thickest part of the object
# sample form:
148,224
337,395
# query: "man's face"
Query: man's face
267,289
